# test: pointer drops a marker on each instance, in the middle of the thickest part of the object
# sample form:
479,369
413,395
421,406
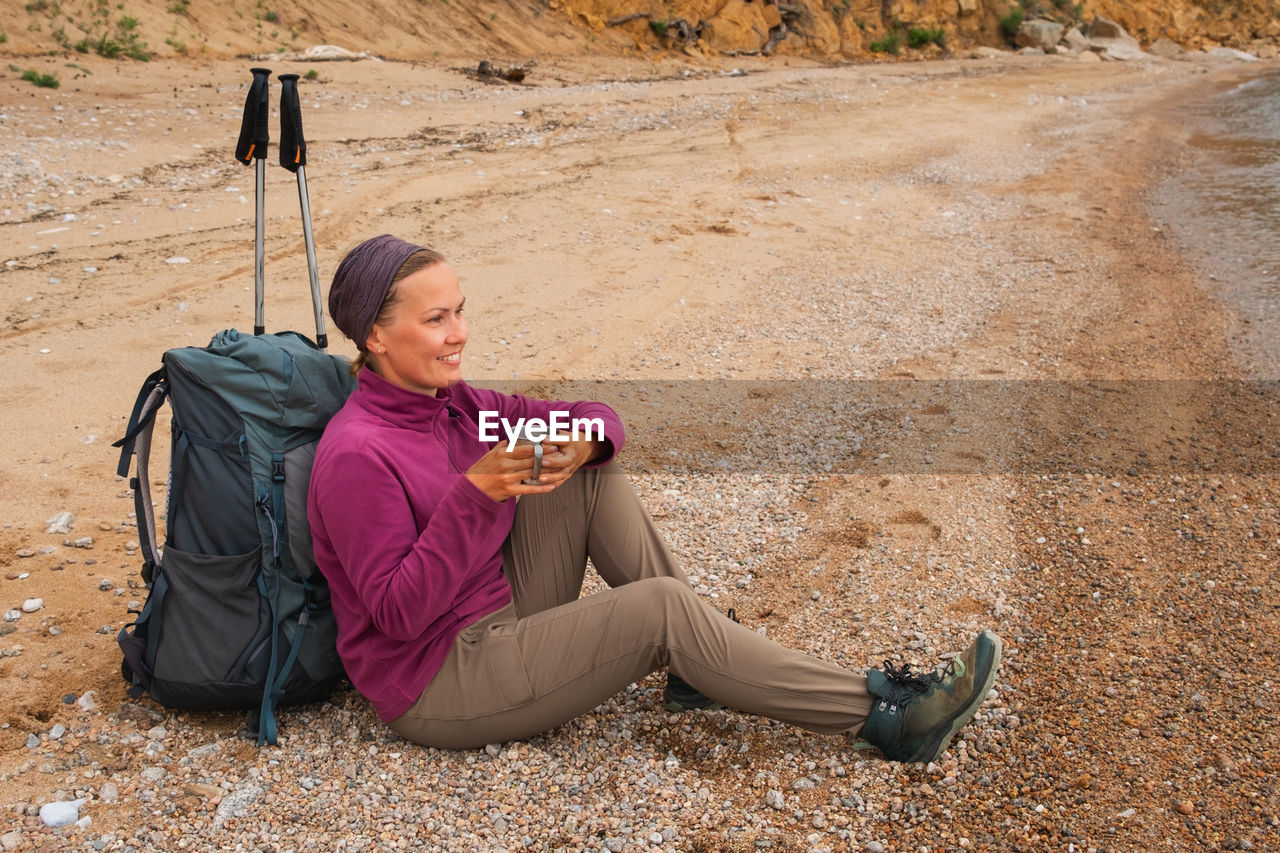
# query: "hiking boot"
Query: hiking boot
681,696
915,716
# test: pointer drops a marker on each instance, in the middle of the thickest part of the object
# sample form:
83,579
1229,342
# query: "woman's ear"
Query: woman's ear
373,343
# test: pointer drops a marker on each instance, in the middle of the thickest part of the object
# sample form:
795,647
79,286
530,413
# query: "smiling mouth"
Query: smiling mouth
452,358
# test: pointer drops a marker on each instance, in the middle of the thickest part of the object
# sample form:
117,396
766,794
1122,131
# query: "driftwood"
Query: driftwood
487,71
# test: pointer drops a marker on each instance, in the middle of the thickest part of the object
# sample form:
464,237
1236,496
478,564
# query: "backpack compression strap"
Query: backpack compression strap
137,443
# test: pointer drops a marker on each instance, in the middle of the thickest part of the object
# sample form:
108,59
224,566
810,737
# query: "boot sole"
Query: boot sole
932,749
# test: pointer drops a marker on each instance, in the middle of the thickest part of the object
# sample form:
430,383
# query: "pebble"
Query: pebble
86,702
153,774
61,813
236,803
774,799
11,840
60,523
12,615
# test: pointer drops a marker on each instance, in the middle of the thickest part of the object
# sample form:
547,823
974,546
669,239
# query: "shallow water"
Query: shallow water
1226,211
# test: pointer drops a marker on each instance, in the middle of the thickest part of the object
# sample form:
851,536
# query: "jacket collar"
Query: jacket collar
400,406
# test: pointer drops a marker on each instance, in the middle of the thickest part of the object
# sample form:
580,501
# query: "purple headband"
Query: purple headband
362,282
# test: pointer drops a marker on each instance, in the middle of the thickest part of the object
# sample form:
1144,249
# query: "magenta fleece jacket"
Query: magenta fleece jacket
411,548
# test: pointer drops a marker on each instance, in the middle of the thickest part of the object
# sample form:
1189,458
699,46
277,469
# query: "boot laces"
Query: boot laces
904,685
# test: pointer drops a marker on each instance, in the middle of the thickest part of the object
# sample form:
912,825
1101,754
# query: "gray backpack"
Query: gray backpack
237,615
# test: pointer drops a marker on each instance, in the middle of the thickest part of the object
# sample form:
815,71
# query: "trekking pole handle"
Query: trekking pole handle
293,147
254,132
293,156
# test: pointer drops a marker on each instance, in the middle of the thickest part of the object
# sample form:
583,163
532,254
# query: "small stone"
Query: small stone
11,840
86,702
874,847
105,584
774,799
1184,807
26,552
33,741
31,605
140,715
69,699
57,731
109,792
60,523
153,774
61,813
493,749
84,542
54,630
12,615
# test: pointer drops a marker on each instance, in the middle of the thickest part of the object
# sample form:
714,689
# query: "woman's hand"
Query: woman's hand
499,474
561,458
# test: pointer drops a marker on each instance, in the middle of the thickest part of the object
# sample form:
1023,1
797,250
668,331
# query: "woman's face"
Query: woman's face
420,347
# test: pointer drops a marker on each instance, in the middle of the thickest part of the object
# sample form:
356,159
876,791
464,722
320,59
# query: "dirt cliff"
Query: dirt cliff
524,29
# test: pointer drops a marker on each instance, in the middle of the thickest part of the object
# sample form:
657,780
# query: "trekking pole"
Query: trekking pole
293,156
252,146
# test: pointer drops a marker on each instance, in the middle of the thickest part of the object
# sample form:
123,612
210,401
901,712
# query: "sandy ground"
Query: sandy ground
974,221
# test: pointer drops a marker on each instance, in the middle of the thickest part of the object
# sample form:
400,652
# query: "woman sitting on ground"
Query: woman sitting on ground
457,584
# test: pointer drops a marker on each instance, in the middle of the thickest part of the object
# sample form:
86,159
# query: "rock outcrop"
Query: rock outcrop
519,29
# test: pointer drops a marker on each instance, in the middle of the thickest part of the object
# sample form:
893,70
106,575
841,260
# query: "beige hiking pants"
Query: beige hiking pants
551,655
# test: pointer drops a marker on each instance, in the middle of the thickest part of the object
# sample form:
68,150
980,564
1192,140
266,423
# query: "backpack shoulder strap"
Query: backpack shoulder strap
137,443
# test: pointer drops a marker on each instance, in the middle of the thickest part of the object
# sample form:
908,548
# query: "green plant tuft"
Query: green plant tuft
659,28
891,43
312,74
44,81
919,37
1009,23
